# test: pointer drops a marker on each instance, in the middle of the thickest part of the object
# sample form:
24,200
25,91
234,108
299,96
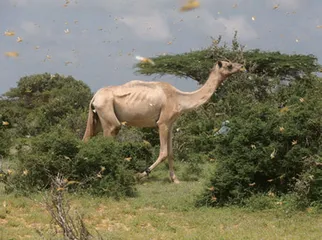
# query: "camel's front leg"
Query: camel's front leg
163,133
170,158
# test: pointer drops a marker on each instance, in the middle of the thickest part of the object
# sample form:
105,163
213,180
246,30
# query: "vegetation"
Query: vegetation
272,150
274,143
101,167
160,211
196,64
41,101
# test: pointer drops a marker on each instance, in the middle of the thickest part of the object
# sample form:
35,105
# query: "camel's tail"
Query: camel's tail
91,123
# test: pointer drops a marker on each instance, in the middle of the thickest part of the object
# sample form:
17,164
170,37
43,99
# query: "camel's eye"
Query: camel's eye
230,67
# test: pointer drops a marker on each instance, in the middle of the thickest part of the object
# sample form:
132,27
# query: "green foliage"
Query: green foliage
271,149
194,65
41,157
151,135
191,138
75,121
5,142
260,202
193,168
51,111
101,166
197,64
5,135
118,163
38,88
43,100
278,64
266,118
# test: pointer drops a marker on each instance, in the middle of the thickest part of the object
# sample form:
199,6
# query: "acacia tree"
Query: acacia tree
275,120
196,64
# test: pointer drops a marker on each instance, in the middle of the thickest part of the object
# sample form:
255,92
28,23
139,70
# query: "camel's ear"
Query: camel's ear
219,64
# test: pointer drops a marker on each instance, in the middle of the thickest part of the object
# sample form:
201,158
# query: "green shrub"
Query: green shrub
5,142
5,129
75,122
102,166
151,135
261,202
271,149
41,101
192,170
192,141
41,157
130,134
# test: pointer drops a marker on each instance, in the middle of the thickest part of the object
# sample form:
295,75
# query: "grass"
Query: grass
161,211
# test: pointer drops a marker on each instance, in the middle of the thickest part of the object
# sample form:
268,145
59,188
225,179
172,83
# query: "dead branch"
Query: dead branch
59,207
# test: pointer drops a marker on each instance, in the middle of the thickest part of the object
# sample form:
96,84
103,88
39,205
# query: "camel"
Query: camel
151,104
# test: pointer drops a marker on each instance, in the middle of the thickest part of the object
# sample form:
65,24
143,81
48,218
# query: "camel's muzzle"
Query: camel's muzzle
243,69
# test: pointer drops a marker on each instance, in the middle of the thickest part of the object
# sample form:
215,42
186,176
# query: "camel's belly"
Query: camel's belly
140,115
138,105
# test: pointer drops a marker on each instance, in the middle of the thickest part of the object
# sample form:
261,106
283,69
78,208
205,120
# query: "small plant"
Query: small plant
5,141
260,202
73,227
193,168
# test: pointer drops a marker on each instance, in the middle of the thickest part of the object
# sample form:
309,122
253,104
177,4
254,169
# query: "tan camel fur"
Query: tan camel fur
151,104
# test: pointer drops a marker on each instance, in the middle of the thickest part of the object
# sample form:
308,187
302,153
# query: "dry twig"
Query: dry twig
59,207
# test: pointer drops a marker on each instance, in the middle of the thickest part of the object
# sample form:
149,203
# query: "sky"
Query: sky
96,41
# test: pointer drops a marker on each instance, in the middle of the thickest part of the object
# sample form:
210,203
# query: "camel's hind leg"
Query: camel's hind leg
109,122
110,128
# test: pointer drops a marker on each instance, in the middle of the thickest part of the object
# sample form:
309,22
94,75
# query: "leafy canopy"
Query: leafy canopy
41,101
196,64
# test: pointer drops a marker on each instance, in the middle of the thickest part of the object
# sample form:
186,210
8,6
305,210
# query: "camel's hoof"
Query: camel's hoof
176,181
140,176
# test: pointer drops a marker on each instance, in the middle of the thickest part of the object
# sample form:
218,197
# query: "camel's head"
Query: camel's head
226,69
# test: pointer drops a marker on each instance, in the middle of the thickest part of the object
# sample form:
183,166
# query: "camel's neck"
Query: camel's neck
192,100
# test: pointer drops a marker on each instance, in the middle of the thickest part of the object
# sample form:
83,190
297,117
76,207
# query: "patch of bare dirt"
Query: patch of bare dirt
3,221
111,226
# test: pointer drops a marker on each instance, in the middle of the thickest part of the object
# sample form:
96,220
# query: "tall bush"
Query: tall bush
272,147
41,101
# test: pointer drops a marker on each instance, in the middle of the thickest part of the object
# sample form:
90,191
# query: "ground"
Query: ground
161,211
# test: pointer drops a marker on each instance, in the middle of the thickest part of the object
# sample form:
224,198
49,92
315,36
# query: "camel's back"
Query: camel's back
138,91
135,84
